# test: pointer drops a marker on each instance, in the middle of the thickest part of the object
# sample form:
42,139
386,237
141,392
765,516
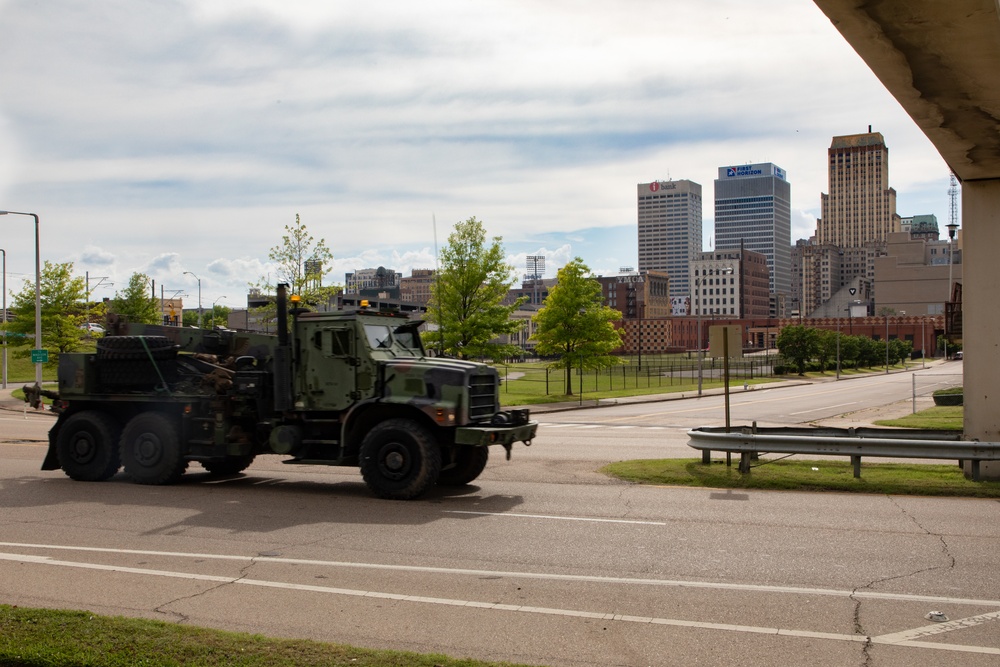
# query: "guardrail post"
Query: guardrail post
856,462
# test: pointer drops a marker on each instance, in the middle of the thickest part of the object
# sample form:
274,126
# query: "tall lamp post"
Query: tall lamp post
697,284
38,298
952,228
213,309
4,317
200,321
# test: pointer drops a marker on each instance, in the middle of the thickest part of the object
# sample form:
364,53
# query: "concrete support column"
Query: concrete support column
981,315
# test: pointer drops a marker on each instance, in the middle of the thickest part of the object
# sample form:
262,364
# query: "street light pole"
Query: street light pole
200,321
38,297
213,309
952,228
4,374
887,342
697,284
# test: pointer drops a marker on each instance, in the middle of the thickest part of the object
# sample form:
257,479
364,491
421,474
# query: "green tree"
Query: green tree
798,344
135,303
826,351
467,301
299,261
61,300
218,316
850,349
575,325
871,351
899,350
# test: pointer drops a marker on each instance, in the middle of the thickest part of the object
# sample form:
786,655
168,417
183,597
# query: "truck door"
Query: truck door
331,368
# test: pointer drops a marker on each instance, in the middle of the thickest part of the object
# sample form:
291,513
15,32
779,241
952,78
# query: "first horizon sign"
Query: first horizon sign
39,356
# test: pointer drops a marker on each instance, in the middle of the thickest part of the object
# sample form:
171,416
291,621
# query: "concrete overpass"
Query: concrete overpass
941,61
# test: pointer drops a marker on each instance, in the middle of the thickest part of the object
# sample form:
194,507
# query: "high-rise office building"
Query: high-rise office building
670,230
861,207
753,210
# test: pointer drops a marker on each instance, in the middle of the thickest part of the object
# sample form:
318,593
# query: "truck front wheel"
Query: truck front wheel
151,450
87,445
467,464
399,459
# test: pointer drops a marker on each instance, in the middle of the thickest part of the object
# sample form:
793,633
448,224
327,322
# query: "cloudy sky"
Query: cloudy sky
182,135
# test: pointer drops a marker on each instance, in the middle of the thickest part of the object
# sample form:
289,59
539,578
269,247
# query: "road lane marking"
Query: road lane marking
936,629
825,407
558,518
493,606
759,588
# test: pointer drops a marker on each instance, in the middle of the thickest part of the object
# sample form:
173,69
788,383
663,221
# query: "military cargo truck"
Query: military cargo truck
333,388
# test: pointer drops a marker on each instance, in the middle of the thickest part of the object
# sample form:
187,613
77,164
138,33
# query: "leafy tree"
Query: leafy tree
575,325
467,301
850,349
798,344
826,351
61,299
300,261
899,350
871,351
948,346
135,302
217,316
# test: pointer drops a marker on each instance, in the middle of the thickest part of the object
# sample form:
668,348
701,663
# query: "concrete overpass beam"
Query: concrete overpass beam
981,316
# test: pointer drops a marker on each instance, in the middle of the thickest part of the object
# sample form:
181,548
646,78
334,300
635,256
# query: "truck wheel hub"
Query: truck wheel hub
147,449
394,463
83,448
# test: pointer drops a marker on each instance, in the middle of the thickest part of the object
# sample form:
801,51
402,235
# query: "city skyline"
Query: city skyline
182,136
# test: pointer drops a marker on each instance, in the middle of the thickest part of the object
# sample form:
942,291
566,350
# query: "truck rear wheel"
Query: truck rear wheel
399,459
87,445
469,463
151,449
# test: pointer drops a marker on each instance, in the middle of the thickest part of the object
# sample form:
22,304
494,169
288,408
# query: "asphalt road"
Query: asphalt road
542,561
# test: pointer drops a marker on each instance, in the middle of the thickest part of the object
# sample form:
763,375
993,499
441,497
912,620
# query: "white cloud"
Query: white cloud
196,129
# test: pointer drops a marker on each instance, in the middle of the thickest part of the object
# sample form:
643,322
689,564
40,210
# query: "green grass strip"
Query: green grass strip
939,417
799,475
53,638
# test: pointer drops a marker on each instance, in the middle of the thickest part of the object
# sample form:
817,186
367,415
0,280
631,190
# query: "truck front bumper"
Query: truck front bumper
485,435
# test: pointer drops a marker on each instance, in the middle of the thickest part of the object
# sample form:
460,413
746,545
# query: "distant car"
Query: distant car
92,328
958,355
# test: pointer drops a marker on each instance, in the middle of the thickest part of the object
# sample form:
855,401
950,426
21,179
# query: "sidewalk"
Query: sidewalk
10,404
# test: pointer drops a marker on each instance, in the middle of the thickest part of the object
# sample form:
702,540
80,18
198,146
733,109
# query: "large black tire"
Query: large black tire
399,460
134,347
231,465
87,446
469,464
151,450
125,361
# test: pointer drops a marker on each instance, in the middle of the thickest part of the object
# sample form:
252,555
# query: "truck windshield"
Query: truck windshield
378,336
408,337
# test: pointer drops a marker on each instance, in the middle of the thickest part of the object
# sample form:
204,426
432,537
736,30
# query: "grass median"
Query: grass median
807,475
54,638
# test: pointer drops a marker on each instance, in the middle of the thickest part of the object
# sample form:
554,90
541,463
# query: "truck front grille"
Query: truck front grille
482,396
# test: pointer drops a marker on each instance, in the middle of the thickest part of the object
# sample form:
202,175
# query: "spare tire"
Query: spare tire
135,347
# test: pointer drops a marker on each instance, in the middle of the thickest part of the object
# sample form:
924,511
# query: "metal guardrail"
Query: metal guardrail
852,442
